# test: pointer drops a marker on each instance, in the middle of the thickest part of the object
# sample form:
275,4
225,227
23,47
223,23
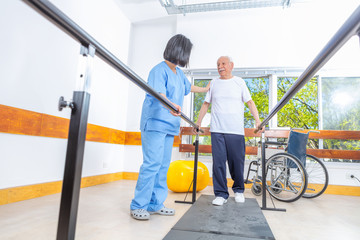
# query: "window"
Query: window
341,103
302,109
259,89
341,111
329,103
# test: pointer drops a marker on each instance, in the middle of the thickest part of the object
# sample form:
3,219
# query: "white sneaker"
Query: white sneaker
239,197
218,201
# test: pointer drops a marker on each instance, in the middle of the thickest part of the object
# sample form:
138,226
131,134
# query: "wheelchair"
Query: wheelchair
290,172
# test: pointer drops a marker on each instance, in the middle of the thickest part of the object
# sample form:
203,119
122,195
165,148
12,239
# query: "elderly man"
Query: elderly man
227,95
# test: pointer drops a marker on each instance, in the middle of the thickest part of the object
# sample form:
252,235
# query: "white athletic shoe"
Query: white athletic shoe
239,197
218,201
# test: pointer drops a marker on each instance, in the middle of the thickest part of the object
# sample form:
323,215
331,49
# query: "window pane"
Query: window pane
341,111
341,103
302,110
198,101
259,90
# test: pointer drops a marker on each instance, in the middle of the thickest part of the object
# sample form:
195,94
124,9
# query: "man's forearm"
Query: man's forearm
203,111
253,110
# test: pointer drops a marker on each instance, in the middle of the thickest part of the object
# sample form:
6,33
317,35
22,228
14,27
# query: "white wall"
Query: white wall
269,37
38,64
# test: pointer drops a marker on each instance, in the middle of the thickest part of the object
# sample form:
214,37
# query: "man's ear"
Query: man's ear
231,65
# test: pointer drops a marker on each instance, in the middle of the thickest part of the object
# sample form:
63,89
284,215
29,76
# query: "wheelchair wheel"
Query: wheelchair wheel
277,188
286,178
318,177
256,189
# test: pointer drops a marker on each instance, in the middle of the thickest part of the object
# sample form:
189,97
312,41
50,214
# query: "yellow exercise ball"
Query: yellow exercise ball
181,174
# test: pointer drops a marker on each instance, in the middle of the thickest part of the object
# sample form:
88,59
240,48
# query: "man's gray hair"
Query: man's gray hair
228,57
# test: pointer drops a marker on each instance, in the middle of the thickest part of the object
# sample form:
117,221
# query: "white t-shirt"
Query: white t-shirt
227,97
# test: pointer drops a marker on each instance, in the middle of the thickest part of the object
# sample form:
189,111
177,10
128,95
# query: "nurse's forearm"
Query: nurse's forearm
178,113
198,89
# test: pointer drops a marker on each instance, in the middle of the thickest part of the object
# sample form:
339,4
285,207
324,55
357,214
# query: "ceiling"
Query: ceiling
141,10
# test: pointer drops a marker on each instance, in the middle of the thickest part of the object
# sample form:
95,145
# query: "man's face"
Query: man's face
224,67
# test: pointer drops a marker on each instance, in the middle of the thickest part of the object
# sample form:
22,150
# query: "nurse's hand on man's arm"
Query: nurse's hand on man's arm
208,86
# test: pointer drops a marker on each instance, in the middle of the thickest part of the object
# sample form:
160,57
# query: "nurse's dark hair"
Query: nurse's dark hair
178,50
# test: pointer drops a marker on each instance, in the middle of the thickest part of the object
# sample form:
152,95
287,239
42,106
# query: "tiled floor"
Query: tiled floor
104,214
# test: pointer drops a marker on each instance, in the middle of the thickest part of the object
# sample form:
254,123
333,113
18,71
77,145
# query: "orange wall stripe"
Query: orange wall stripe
52,126
134,138
117,136
97,133
177,141
17,194
20,121
4,196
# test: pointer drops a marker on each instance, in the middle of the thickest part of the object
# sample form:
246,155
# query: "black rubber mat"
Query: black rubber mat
232,221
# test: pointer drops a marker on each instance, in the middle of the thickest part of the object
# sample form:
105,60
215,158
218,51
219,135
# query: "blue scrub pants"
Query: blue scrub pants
151,188
230,147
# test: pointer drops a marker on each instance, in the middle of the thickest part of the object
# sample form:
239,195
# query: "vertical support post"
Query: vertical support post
75,148
263,176
195,166
196,144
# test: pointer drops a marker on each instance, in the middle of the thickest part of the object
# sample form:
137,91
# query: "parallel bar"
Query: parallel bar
350,28
52,13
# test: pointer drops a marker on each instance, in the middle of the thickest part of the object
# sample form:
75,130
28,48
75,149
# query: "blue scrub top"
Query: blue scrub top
156,117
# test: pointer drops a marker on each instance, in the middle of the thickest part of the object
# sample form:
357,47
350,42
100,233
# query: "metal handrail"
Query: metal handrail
52,13
350,28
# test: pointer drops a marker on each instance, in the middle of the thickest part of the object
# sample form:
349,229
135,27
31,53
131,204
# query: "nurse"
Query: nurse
159,126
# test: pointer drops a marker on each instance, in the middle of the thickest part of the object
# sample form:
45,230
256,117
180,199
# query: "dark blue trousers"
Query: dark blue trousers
230,147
